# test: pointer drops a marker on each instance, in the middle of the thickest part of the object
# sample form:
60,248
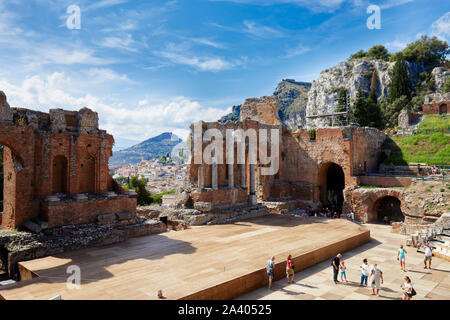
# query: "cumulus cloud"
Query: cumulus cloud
139,122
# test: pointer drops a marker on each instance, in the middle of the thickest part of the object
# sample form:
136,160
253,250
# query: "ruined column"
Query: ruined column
201,179
252,179
214,173
243,185
231,175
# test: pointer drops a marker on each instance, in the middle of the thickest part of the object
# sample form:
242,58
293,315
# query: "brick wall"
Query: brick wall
80,212
385,181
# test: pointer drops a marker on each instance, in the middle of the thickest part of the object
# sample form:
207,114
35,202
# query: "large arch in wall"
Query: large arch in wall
385,204
331,185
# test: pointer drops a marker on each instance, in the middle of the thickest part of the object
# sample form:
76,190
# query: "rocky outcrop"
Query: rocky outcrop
352,75
440,76
292,96
264,110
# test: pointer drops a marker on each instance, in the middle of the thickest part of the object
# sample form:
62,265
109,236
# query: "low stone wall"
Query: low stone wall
81,212
293,190
23,246
386,182
222,196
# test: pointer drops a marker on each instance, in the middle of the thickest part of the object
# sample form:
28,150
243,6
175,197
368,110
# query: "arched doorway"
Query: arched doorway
332,186
59,175
388,209
443,109
86,182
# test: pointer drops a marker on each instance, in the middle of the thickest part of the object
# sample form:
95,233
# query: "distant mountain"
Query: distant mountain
149,149
293,97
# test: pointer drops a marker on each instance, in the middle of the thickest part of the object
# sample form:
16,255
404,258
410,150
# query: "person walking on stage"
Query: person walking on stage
364,273
376,277
336,262
428,255
290,269
401,257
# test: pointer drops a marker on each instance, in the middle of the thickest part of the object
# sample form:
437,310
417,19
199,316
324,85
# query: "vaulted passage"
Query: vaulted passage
59,177
388,209
332,186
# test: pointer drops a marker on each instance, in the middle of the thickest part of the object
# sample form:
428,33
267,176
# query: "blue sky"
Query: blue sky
153,66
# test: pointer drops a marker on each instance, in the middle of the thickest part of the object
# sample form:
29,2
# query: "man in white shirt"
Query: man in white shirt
428,255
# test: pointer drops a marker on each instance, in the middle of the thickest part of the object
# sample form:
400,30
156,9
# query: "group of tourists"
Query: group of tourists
326,212
372,275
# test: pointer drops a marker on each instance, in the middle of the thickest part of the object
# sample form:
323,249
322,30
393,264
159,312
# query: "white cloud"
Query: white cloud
317,5
101,75
124,43
104,4
396,45
441,27
296,51
145,120
394,3
261,31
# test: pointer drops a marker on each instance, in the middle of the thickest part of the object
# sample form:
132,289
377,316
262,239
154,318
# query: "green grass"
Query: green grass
157,198
421,148
436,122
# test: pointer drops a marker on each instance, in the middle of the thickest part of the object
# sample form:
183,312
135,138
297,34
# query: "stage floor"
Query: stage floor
205,262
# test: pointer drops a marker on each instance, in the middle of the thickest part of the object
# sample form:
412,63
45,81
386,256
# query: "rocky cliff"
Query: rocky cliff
352,75
292,96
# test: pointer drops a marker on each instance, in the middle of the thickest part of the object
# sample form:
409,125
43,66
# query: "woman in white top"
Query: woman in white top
407,289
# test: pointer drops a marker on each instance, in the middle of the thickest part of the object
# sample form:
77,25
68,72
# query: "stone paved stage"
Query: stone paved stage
213,262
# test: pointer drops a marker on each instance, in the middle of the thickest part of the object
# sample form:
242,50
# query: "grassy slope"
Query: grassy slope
423,148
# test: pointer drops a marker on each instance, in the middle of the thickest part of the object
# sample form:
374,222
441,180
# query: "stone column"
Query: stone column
252,178
252,197
231,175
201,179
243,185
214,175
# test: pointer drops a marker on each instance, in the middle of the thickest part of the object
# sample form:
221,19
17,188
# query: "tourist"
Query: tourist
335,215
336,262
352,215
428,255
401,257
376,276
364,273
290,269
343,269
270,270
408,290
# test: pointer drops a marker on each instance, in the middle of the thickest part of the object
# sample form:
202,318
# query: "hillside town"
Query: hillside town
162,176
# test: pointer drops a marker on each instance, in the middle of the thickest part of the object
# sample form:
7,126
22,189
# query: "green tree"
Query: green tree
138,184
373,116
431,52
391,110
358,55
378,52
446,87
400,84
341,106
360,109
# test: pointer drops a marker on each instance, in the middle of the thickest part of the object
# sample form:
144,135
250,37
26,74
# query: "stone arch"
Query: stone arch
389,208
59,175
87,174
386,205
331,185
443,109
